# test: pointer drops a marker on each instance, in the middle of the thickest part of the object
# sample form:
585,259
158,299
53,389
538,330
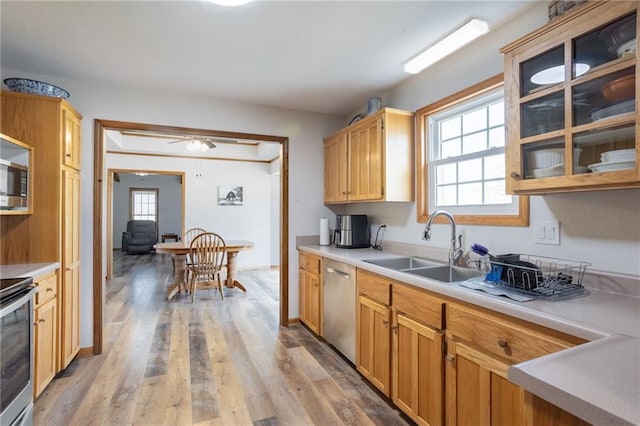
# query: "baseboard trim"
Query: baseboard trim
293,321
85,352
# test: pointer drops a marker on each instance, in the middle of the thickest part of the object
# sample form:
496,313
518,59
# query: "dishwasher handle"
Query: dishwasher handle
341,274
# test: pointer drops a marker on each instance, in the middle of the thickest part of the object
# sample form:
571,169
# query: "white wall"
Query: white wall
169,201
601,227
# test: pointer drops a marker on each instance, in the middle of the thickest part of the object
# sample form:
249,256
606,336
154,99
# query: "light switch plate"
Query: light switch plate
546,232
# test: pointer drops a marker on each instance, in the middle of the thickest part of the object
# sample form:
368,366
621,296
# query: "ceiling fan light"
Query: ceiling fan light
197,146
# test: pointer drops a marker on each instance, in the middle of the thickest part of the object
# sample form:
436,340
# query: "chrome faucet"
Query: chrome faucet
455,249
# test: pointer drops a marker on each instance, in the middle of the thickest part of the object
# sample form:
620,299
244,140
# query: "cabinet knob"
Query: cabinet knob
515,176
385,322
49,289
450,358
344,192
503,343
394,326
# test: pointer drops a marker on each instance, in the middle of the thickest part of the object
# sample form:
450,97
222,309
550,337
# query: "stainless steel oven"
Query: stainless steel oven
16,351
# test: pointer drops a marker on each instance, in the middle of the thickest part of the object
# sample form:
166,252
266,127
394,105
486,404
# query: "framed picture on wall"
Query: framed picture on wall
229,195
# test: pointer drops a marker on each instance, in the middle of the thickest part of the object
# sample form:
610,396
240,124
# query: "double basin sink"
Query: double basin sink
427,269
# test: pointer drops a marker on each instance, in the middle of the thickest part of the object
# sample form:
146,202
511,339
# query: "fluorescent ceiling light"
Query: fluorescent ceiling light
230,2
454,41
197,145
555,74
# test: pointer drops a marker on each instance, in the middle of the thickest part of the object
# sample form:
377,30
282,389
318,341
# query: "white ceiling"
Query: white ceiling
319,56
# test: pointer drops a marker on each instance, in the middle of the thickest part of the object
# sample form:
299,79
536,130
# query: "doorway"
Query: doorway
100,209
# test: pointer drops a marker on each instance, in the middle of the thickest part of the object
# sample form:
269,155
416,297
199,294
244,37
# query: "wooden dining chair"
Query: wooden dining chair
187,237
207,252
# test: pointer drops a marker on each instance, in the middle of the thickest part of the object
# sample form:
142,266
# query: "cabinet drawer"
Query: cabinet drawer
309,263
374,286
48,287
419,305
512,342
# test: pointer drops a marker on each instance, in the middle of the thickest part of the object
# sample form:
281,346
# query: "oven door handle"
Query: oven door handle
15,304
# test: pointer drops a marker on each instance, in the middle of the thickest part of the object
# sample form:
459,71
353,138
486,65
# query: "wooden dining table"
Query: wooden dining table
178,251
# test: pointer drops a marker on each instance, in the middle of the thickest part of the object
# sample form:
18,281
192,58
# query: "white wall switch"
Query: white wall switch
546,232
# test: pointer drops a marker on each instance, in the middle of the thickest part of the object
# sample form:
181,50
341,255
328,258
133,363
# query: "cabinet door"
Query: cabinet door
418,371
373,348
70,295
71,139
310,300
45,350
335,168
478,392
366,162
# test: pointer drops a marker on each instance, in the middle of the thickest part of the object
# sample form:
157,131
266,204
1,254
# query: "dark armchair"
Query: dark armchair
140,236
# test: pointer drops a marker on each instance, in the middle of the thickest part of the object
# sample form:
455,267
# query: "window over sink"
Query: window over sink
461,158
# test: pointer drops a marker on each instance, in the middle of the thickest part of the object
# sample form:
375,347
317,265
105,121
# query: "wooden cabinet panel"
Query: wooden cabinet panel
365,162
371,160
335,168
420,305
45,359
310,291
373,347
374,286
572,115
418,371
71,139
70,294
494,335
48,286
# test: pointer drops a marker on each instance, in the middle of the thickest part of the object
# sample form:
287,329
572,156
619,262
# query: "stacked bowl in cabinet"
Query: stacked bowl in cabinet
619,159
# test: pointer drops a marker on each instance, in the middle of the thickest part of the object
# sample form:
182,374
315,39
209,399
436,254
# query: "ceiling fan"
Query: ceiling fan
197,144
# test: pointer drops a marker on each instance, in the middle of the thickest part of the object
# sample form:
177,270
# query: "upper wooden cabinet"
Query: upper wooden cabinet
570,93
371,160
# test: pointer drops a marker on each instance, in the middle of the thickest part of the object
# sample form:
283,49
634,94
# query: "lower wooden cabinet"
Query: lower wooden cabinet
418,371
310,291
46,332
373,347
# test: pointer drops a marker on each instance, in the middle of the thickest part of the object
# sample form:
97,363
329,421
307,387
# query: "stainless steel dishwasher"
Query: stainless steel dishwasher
339,313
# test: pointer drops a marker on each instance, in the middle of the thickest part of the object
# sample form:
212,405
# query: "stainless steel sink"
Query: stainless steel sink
402,263
446,274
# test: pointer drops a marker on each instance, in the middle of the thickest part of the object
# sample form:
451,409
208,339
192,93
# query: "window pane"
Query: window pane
446,195
496,137
494,193
494,166
470,193
474,121
446,173
450,128
496,114
450,148
474,143
470,170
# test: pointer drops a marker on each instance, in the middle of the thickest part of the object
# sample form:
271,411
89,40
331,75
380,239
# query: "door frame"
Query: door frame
99,278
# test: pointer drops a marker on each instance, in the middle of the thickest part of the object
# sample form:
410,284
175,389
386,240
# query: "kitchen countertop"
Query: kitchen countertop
593,381
27,269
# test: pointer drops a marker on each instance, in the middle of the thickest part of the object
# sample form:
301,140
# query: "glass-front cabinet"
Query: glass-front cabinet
571,102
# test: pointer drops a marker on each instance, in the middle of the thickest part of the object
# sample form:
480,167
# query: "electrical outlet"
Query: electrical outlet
546,232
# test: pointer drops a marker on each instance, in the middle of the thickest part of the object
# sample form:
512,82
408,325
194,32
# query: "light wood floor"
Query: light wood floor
209,363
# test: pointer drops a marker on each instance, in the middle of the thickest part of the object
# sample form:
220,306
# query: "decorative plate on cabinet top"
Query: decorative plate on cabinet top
25,85
355,119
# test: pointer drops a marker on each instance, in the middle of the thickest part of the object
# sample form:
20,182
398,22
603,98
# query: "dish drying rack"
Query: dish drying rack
538,276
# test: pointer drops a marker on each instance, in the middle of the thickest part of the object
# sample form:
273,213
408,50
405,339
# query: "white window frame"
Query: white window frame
132,194
514,214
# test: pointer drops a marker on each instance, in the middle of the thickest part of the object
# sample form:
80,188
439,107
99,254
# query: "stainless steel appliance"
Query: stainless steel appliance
14,179
352,231
339,312
16,351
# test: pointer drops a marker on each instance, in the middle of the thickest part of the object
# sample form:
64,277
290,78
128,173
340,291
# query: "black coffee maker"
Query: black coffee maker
352,231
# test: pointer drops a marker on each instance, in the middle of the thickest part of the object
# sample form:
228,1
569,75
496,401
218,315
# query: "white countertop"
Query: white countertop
593,381
27,269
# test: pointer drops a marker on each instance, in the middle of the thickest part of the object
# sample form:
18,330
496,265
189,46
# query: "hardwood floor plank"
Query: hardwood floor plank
212,362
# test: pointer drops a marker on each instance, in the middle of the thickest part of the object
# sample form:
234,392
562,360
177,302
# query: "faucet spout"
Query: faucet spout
455,248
